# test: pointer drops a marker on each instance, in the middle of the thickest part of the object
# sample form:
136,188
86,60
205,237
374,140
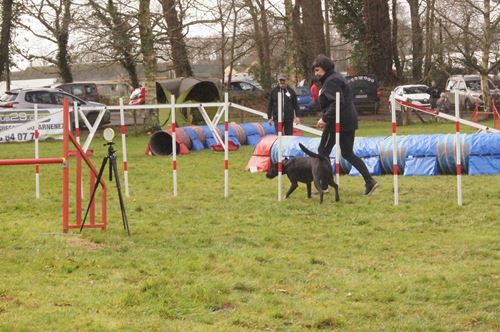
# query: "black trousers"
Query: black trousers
346,148
287,127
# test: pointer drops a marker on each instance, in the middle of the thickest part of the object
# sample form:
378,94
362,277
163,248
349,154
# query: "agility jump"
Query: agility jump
64,161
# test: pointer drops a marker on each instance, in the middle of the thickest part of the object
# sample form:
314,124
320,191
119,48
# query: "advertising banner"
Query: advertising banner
19,125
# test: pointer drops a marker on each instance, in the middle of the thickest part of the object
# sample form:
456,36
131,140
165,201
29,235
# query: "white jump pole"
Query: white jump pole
280,152
458,148
174,146
226,145
123,131
337,138
394,151
37,166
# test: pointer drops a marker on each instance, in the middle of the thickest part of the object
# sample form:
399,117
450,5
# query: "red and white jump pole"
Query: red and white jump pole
174,146
226,145
37,166
458,148
395,169
123,132
65,191
337,138
280,152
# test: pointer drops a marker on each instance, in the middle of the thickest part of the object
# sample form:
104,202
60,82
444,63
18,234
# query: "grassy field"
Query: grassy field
199,262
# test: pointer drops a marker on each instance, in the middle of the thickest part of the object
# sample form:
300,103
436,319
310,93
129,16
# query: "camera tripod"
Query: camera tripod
111,157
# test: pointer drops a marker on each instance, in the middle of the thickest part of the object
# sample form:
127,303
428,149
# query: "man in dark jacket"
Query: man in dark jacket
333,82
289,104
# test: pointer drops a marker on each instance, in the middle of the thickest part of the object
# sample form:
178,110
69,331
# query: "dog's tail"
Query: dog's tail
312,154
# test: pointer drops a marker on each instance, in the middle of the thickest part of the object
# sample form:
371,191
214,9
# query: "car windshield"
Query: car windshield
7,97
415,89
475,85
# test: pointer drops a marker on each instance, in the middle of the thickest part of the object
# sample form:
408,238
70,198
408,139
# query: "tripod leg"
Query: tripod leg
96,184
120,197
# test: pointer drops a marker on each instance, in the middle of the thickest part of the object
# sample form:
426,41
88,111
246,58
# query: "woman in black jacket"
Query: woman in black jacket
333,82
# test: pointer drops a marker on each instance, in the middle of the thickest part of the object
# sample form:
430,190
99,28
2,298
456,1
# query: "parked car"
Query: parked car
305,101
239,88
413,93
365,92
49,98
83,90
469,90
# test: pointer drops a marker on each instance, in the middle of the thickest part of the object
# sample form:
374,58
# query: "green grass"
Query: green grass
199,262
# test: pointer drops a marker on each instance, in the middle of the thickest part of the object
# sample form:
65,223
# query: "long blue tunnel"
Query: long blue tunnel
417,154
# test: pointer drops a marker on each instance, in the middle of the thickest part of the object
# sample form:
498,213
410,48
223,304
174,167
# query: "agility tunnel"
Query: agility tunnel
187,90
417,154
197,138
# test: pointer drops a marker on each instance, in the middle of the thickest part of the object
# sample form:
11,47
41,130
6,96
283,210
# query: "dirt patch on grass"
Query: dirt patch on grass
85,243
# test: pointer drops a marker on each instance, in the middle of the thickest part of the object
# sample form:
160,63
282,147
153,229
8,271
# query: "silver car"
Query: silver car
469,90
46,98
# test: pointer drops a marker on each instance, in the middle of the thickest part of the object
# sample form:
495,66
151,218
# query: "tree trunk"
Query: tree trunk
290,51
328,52
151,120
299,37
313,27
416,40
266,79
429,37
63,58
180,58
485,47
378,39
5,36
395,55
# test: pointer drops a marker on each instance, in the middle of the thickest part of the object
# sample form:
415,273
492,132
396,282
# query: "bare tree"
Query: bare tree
257,10
5,37
308,33
416,40
429,37
114,32
55,17
378,40
395,53
151,122
469,22
180,59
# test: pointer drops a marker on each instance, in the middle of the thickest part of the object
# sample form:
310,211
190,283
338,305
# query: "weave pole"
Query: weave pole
226,144
280,152
174,146
458,148
337,137
123,132
395,169
65,191
37,166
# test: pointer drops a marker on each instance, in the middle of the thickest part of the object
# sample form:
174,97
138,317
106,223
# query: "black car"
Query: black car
365,92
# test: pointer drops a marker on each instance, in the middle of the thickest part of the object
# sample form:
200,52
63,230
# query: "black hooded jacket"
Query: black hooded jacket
333,82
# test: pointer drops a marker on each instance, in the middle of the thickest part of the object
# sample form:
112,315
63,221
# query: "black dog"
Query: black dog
316,169
322,173
297,169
